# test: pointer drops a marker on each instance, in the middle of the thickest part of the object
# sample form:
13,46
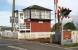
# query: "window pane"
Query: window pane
35,14
21,14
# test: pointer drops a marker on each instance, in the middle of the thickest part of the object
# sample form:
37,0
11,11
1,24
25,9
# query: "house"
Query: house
33,19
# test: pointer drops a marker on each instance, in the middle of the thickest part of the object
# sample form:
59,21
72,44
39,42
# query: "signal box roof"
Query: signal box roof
37,7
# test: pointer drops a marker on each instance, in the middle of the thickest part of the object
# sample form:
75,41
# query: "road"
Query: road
11,44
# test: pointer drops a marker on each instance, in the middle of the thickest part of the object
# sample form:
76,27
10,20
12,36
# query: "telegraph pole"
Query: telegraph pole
56,10
13,16
55,14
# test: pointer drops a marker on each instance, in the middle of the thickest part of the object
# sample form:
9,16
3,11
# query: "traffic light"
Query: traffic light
65,12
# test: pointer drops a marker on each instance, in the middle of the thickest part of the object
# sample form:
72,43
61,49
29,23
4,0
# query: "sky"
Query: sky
6,7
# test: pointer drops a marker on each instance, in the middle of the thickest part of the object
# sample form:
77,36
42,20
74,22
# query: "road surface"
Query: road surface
11,44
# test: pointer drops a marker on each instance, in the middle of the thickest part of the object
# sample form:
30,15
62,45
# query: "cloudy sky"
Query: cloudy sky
6,7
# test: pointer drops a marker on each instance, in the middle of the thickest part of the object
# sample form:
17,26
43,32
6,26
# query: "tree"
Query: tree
70,26
67,26
3,28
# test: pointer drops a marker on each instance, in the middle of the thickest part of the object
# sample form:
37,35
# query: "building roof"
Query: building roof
37,7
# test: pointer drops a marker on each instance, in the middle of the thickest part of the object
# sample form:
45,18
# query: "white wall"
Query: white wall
34,35
9,34
74,36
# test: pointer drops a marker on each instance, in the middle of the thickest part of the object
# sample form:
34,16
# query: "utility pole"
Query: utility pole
56,10
13,16
55,14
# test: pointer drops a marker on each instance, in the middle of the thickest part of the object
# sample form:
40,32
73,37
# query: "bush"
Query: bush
71,45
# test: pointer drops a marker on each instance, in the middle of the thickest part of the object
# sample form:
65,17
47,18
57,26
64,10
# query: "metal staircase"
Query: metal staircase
25,27
28,27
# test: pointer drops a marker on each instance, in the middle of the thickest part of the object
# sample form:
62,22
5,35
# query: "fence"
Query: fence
70,37
8,34
74,36
33,35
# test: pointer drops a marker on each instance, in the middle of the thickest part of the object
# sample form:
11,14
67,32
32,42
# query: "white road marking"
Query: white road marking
18,48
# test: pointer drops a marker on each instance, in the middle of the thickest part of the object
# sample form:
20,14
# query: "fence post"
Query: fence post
50,38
